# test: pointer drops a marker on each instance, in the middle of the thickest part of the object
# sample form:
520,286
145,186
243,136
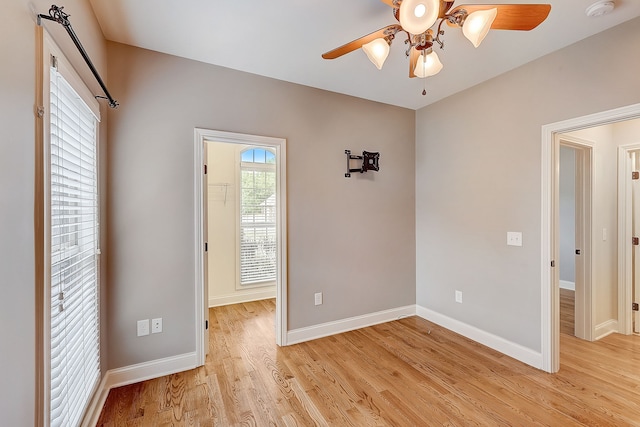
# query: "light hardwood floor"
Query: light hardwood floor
409,372
567,311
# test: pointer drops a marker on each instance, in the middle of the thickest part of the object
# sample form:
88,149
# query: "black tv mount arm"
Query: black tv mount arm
369,162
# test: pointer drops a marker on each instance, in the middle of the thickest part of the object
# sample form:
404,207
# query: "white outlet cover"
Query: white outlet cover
143,327
156,325
514,238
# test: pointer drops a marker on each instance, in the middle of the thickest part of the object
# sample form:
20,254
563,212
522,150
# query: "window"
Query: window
71,200
257,217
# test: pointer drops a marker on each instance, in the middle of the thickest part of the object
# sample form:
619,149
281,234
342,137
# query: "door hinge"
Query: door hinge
635,241
40,111
635,175
553,263
206,324
206,246
205,169
634,306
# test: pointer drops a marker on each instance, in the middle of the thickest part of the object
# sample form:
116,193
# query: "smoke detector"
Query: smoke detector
599,8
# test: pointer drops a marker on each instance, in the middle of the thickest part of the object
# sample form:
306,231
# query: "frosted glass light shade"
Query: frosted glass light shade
377,51
428,65
417,16
478,24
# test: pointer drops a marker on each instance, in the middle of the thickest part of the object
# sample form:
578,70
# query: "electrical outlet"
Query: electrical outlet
143,327
318,298
459,297
156,325
514,238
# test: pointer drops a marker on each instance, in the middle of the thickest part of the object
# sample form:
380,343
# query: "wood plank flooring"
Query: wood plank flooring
409,372
567,311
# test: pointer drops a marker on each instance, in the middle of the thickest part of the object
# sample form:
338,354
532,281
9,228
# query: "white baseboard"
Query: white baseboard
133,374
606,328
243,296
517,351
565,284
299,335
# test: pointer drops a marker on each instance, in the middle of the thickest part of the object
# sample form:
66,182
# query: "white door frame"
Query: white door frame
550,304
625,233
202,136
584,300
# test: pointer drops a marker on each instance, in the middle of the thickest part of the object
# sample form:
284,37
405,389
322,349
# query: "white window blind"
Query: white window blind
75,349
258,217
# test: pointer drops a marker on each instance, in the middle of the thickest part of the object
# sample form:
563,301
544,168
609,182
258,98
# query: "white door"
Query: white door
635,206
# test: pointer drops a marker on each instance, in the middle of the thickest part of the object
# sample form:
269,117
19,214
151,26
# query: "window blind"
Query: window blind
75,349
258,224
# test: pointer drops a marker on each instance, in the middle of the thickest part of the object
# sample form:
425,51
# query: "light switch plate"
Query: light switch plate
514,238
143,327
459,297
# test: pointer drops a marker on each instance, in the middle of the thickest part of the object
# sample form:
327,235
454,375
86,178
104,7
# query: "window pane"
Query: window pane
258,219
74,346
247,156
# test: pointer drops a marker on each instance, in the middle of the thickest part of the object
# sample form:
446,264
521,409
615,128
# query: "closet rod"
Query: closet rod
56,14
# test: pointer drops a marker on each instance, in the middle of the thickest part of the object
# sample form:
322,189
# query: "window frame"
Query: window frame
47,48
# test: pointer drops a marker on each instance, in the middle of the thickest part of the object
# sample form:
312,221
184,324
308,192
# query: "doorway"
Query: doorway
550,346
574,242
222,190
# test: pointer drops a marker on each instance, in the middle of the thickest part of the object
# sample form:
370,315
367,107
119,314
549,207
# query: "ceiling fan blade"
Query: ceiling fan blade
521,17
413,60
351,46
388,2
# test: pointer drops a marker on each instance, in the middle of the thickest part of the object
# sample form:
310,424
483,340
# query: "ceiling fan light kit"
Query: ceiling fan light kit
417,17
377,51
428,65
477,25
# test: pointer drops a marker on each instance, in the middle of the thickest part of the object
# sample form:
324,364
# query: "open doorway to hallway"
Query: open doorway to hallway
610,307
240,231
241,219
576,245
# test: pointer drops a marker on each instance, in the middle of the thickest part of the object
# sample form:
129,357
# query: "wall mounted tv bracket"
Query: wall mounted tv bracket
369,162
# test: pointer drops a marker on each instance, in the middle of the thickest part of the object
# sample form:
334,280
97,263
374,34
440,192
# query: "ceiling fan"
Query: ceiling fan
417,17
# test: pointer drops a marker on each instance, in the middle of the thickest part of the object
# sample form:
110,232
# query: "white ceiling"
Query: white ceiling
285,39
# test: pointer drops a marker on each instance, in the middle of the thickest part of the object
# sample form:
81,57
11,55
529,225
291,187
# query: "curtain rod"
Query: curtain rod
56,14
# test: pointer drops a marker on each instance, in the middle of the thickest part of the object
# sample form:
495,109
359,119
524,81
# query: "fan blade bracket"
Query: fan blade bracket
517,17
444,8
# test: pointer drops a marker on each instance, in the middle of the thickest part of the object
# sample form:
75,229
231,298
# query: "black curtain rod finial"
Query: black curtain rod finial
112,102
59,15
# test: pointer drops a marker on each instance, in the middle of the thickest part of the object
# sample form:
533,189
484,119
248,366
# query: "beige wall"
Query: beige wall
223,160
627,132
17,178
478,171
353,239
